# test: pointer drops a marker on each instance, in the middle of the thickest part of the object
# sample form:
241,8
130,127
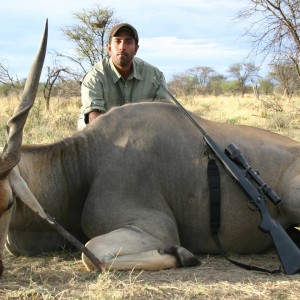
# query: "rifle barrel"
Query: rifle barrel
181,107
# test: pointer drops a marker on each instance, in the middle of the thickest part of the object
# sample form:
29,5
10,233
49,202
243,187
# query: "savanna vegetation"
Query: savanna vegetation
275,113
241,96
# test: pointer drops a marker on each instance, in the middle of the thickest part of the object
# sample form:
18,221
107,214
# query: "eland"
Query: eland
133,186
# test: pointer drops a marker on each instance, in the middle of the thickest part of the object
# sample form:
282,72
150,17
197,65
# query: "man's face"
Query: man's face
122,49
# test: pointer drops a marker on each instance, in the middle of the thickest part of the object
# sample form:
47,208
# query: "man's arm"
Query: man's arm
92,96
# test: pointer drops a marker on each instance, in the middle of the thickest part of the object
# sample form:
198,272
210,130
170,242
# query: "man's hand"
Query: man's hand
93,115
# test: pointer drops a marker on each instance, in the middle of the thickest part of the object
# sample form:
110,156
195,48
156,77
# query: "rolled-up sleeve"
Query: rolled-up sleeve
92,95
91,100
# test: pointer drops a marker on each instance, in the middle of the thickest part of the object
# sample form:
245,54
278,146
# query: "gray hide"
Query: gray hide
143,166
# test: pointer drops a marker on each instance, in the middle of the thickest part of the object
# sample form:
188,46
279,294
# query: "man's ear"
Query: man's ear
136,49
108,47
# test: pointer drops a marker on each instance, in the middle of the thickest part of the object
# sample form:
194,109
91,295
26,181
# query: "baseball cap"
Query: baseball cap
124,26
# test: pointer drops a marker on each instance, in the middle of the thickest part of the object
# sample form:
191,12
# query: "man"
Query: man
120,78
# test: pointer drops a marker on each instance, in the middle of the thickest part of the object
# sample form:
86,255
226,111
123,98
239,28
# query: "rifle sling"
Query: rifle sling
215,208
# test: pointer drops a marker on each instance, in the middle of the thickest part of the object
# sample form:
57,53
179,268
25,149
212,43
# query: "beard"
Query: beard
124,59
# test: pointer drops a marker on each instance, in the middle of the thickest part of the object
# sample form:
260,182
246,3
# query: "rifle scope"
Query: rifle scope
234,153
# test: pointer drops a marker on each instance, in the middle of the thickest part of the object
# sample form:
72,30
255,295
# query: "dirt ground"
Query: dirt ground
62,276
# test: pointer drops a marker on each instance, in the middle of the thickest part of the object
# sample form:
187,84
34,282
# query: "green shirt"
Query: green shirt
103,87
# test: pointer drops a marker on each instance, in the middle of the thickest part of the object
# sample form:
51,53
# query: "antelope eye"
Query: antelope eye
10,205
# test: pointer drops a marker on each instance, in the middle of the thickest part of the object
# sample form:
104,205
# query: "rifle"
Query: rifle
236,165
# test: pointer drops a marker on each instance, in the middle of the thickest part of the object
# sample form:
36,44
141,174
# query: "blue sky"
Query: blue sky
174,35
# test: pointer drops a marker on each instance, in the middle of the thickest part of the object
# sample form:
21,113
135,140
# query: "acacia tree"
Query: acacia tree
201,77
183,84
194,81
243,72
215,85
285,78
88,35
274,29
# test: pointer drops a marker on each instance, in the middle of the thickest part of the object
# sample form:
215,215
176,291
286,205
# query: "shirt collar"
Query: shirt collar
117,76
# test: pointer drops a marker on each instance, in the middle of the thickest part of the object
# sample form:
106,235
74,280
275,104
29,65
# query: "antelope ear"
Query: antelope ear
11,153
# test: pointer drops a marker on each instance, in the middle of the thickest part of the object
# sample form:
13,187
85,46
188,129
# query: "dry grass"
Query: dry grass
42,125
274,113
62,275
